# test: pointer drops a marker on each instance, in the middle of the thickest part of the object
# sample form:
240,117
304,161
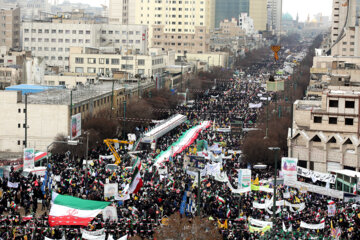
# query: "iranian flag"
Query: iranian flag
68,210
136,181
220,199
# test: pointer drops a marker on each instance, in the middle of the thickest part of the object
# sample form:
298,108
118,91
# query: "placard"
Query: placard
29,155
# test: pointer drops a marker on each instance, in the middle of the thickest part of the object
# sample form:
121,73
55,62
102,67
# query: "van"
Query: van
38,171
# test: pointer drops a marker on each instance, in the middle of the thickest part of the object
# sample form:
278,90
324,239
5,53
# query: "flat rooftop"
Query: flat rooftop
63,96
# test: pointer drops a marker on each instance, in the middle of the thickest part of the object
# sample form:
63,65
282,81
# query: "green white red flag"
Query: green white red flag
136,181
68,210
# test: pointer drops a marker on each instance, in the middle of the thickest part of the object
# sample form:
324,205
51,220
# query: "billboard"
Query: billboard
29,155
289,169
75,126
244,179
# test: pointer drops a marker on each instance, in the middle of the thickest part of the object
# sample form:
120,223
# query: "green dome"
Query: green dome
287,17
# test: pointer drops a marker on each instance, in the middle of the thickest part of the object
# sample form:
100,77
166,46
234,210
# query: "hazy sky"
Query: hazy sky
303,7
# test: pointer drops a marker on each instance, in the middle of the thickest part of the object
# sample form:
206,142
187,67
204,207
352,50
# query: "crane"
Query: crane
110,142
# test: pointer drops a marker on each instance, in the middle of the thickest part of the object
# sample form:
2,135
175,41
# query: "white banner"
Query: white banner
162,171
29,156
92,237
75,125
331,210
106,157
306,187
213,169
255,105
286,195
110,213
223,129
110,190
312,226
13,185
93,233
260,223
316,176
288,167
244,179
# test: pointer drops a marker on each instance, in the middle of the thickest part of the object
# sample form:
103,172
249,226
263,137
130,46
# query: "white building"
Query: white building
52,40
122,11
247,24
90,60
274,15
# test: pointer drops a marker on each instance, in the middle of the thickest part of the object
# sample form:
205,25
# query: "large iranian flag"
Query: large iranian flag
136,181
68,210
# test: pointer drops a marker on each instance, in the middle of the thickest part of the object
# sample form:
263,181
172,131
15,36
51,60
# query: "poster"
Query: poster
110,213
29,155
244,179
316,176
331,210
75,125
289,169
110,190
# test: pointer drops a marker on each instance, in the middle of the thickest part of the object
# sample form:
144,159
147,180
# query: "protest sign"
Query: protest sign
110,190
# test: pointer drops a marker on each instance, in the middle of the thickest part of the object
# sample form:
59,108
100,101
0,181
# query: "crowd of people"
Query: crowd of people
162,194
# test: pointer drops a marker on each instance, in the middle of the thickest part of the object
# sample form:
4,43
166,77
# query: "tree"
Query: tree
188,228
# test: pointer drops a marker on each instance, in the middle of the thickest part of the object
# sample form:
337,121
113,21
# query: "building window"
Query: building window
91,60
79,70
332,120
349,121
349,104
19,125
333,103
62,83
53,31
18,142
79,60
115,61
91,70
141,62
317,119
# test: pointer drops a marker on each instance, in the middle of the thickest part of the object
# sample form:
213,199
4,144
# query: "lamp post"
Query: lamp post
276,150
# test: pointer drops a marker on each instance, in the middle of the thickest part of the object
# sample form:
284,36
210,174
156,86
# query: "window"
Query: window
60,49
79,70
349,104
92,60
349,121
141,62
115,61
19,110
26,30
19,125
62,83
101,60
81,32
87,31
333,103
39,30
53,31
317,119
67,31
61,31
332,120
73,31
53,49
79,60
18,142
67,40
47,31
60,40
91,70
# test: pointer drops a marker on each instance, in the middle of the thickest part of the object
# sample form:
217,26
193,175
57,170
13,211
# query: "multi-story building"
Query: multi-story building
10,26
9,57
326,132
52,39
258,12
246,23
183,26
91,60
49,112
274,16
122,11
228,9
70,80
345,29
231,28
10,75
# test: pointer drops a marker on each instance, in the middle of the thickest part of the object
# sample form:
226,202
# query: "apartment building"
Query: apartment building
10,75
10,26
345,32
122,11
258,11
52,39
274,16
91,60
231,27
179,25
227,9
49,112
326,132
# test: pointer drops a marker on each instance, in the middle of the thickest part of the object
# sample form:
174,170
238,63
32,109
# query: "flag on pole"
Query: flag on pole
68,210
136,181
228,213
354,189
220,199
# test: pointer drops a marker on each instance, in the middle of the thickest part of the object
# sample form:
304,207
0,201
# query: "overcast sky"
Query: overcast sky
303,7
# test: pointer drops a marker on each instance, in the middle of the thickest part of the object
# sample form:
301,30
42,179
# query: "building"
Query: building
122,11
325,133
345,32
10,26
52,39
10,57
228,9
274,16
49,112
258,12
70,80
106,63
246,23
182,26
10,75
231,28
212,59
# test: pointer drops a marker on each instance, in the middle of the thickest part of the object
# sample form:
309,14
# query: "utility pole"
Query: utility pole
124,119
112,98
181,76
199,194
276,150
87,158
71,99
267,118
26,127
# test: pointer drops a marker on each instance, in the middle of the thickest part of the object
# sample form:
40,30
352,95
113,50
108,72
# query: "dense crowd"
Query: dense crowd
161,195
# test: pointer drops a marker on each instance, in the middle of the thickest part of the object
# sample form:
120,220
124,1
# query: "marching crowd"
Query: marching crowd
162,195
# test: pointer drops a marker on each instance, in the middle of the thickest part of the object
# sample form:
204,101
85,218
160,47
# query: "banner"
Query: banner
256,229
288,167
260,223
316,176
244,179
75,126
312,226
213,169
331,210
110,213
93,233
306,187
29,155
110,190
255,105
13,185
92,237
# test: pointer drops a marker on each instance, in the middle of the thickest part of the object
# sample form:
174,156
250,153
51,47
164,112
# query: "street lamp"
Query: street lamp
276,150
